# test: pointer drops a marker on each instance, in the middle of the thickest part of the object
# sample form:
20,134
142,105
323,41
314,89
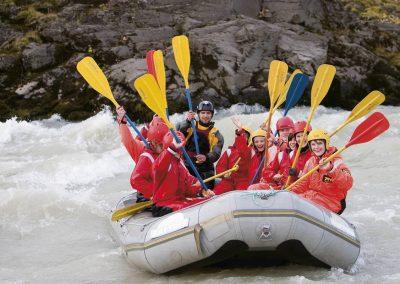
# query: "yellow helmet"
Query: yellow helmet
257,133
249,131
319,134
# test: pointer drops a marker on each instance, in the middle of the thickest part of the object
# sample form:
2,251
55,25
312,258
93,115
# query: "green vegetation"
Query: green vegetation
18,43
385,11
392,57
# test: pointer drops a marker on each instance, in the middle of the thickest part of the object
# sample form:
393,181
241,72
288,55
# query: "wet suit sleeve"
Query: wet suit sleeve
269,171
214,155
134,147
304,185
191,188
141,178
223,163
342,179
161,166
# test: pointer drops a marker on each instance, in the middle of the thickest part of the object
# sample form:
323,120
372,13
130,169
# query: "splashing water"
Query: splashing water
59,181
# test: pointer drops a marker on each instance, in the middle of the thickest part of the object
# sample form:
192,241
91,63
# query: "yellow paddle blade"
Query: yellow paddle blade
160,73
130,210
282,97
276,80
322,82
150,92
364,107
92,73
370,102
180,46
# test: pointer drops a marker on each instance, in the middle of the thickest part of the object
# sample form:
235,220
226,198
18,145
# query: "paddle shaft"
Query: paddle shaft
296,158
133,125
195,138
186,155
263,158
330,158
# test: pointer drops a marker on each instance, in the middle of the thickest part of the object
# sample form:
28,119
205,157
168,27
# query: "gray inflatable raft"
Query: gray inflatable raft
278,224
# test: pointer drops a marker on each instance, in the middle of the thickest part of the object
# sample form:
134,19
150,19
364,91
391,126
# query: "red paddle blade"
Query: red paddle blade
370,128
151,69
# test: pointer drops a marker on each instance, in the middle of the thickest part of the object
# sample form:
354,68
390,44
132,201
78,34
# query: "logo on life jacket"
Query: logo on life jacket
346,171
326,179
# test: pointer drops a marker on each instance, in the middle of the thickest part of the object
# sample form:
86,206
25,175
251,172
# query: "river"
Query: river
59,181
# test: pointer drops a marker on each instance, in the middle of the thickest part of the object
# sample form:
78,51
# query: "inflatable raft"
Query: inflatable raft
273,225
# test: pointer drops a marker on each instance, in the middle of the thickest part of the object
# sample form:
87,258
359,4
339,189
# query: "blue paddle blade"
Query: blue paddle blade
296,90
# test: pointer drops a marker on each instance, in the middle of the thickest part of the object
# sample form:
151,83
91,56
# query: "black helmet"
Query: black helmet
205,106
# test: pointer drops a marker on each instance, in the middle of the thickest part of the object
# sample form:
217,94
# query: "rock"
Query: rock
127,71
232,43
308,13
122,52
26,90
8,62
249,8
38,56
303,50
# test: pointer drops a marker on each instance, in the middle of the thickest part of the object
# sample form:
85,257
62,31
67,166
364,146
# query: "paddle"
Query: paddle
370,102
93,75
322,82
151,69
160,76
151,94
180,47
294,93
276,83
296,90
137,207
370,128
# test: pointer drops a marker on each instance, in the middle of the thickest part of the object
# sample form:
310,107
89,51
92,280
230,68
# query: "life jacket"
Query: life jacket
238,179
174,186
142,176
206,137
327,188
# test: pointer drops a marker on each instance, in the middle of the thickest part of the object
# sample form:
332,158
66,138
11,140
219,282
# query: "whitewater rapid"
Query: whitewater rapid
59,181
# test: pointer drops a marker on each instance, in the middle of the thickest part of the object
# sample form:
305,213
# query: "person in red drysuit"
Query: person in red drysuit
284,126
175,188
276,173
328,185
258,152
239,179
142,176
305,152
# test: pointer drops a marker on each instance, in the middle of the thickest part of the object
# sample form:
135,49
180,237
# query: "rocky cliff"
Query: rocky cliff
232,43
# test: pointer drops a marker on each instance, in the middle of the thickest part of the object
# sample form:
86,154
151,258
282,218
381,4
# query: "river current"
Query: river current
59,181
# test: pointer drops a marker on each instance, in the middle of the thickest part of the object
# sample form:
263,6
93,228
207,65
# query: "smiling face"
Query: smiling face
298,136
318,147
259,143
292,143
205,116
284,133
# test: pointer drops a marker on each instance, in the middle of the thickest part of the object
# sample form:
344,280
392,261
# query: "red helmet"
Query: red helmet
299,126
168,138
284,122
157,130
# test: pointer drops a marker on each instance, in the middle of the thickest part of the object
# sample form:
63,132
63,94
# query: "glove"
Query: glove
121,115
293,172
